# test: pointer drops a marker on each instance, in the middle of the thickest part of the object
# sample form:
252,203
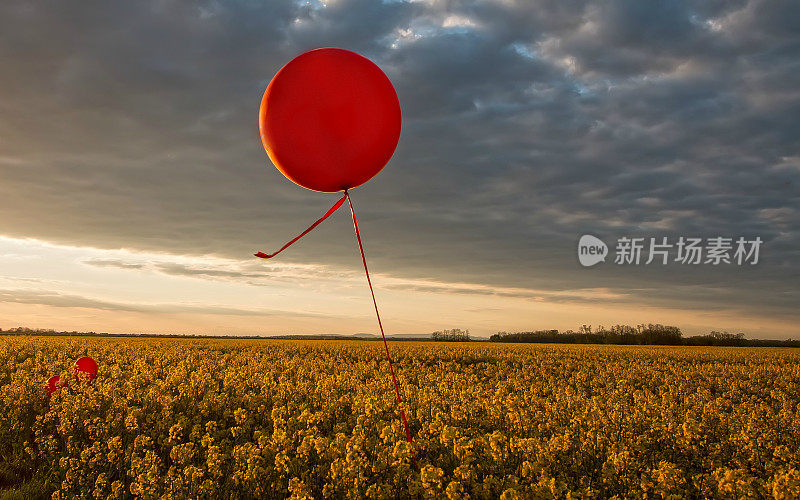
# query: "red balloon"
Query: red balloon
330,120
85,368
53,385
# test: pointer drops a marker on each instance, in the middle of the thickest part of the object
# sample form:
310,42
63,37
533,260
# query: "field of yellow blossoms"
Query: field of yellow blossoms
174,418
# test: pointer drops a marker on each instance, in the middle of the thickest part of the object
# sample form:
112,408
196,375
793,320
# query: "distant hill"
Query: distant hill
364,335
316,336
355,336
394,336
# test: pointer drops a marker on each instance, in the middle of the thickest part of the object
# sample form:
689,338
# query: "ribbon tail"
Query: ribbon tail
312,226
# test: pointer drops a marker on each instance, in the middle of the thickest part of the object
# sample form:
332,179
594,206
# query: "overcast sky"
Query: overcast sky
135,188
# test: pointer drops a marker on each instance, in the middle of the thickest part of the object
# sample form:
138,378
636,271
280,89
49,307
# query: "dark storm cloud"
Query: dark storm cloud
526,125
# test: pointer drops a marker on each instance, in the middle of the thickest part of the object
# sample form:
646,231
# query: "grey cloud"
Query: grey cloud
56,299
524,128
120,264
253,272
183,270
535,295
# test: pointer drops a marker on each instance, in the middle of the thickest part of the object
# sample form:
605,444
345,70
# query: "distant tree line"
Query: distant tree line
650,334
22,330
737,339
454,335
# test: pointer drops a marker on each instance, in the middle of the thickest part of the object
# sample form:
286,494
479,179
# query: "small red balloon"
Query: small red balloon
330,120
53,385
85,368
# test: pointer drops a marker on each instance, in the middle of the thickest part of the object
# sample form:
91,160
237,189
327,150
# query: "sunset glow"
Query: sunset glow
125,291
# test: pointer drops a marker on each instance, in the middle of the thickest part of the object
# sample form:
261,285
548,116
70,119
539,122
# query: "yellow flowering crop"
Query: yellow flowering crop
173,418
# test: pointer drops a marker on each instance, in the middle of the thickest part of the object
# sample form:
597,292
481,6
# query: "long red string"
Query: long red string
371,291
383,336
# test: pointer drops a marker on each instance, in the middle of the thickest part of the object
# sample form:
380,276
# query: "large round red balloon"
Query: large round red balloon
85,368
330,120
53,385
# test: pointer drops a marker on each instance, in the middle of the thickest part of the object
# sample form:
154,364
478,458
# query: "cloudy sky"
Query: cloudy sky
135,188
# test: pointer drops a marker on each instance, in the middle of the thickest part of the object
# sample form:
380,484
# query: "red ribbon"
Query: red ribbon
334,208
371,291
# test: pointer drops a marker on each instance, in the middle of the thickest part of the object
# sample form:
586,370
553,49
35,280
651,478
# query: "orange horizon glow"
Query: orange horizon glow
66,288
